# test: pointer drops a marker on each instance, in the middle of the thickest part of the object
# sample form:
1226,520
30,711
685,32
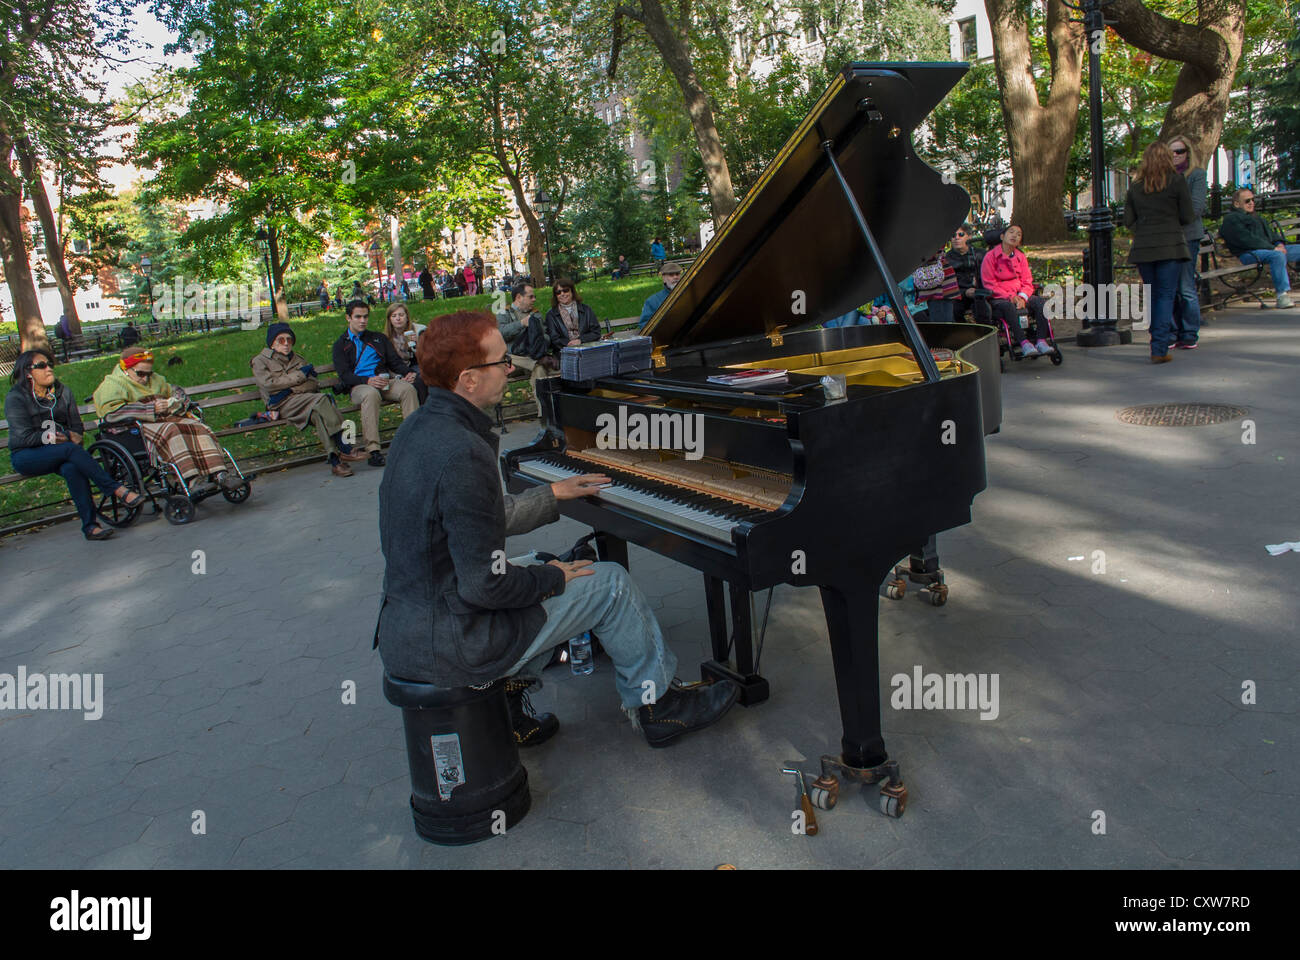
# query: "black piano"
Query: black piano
872,444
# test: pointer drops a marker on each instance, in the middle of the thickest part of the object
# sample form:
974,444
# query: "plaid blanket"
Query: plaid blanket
188,444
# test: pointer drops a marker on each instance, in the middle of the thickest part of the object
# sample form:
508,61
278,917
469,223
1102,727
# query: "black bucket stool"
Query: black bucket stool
465,769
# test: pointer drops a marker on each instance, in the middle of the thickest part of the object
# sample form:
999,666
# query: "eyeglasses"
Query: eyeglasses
506,364
41,365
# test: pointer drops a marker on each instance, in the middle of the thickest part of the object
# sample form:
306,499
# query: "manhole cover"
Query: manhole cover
1180,414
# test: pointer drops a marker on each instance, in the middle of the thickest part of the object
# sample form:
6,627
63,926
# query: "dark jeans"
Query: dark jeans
940,310
1006,310
1187,307
75,465
1162,276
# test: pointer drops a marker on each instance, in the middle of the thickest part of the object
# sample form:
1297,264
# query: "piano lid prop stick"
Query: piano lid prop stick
805,804
914,340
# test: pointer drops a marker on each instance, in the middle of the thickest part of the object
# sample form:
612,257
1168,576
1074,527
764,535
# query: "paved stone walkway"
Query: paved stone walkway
1120,692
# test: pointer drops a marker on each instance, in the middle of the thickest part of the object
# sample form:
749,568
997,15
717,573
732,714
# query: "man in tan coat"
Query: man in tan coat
289,389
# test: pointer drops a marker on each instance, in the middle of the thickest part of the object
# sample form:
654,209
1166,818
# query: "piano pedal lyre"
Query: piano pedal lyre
825,790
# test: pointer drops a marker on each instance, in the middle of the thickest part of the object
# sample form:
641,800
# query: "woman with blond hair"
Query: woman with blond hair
1157,209
1187,306
405,335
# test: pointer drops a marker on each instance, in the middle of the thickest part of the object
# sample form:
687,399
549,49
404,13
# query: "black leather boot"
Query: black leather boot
530,727
683,710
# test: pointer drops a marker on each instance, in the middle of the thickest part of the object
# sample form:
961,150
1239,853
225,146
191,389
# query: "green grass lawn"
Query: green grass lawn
225,355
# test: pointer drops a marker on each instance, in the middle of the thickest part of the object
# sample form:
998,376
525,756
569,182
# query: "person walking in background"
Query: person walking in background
1187,306
1157,209
1251,241
324,293
471,279
657,252
462,281
476,262
426,283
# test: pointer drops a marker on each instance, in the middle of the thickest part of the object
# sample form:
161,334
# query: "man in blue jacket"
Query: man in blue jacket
370,368
455,612
669,273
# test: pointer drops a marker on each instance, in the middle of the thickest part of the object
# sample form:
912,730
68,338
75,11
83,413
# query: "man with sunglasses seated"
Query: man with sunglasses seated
454,611
133,391
1251,241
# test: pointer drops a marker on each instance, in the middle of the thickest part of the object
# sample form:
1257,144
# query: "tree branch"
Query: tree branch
1170,39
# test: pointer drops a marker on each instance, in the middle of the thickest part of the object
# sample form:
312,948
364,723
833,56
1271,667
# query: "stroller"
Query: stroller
120,448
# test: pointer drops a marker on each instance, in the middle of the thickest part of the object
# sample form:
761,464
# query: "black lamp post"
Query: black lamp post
508,231
1101,331
146,270
542,202
264,239
376,254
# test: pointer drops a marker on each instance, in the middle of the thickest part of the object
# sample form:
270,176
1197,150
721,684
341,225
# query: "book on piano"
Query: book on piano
750,378
589,361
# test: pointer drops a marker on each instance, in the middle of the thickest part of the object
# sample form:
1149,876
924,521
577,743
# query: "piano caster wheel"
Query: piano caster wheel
938,594
824,792
893,800
896,588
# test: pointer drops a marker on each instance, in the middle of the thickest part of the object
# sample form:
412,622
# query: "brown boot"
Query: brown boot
341,470
354,457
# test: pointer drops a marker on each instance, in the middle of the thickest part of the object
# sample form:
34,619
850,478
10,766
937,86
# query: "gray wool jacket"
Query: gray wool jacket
452,611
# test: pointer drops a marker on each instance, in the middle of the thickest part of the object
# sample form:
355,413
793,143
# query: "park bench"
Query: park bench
641,269
1236,278
1289,227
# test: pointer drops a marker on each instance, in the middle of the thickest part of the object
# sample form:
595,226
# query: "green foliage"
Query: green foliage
967,137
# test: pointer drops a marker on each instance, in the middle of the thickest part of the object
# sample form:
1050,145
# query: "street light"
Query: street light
1101,331
146,268
543,203
508,231
264,239
376,252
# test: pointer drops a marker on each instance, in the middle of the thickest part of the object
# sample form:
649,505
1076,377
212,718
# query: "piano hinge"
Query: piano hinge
657,357
774,336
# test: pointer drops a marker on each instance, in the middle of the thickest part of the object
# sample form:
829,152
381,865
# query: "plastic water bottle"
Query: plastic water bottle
580,659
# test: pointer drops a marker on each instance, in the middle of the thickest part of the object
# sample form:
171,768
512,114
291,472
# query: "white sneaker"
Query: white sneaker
1027,349
1284,301
1044,348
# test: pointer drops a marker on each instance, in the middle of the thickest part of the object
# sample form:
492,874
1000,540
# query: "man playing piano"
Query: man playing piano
454,612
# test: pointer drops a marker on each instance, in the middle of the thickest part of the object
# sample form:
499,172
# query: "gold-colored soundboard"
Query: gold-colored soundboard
880,365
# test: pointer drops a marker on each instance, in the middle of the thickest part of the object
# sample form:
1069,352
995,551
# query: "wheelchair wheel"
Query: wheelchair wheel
239,494
121,466
178,509
1056,358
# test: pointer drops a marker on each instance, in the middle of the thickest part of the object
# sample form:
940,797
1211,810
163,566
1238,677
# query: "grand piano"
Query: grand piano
875,441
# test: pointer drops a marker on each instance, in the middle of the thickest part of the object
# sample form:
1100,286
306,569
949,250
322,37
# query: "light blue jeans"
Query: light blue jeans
611,606
1187,304
1277,261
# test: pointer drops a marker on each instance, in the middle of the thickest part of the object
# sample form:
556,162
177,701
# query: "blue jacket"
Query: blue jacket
657,251
652,303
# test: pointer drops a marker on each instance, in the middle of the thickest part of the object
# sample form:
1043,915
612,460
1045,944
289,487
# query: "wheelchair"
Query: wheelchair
120,448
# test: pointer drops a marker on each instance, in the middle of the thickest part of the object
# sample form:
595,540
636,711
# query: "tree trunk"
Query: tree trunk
395,239
53,241
672,47
278,267
1039,135
1209,52
13,254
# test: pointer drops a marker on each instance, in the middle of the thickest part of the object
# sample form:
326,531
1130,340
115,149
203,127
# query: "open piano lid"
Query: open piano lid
795,230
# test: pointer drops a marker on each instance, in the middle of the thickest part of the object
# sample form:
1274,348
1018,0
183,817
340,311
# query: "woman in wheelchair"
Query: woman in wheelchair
1005,272
45,432
132,391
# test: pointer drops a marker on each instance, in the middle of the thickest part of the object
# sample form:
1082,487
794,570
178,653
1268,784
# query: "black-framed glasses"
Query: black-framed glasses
42,365
506,364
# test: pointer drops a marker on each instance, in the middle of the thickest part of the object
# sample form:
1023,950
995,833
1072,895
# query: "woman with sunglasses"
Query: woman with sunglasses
45,432
570,322
1187,307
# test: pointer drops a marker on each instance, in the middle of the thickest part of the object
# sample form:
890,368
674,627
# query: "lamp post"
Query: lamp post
146,270
375,253
542,202
1101,331
508,231
264,239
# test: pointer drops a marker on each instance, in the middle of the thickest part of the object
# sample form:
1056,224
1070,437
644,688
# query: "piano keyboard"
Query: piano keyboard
711,516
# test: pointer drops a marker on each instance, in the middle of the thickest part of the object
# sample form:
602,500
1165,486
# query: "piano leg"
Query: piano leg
855,653
753,688
612,549
851,622
924,568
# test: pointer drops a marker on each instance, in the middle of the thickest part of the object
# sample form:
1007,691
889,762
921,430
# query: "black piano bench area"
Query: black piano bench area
467,783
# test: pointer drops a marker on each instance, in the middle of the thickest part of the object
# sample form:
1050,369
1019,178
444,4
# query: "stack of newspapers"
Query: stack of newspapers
633,354
589,361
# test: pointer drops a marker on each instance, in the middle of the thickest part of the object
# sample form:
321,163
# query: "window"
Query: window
810,33
969,42
618,111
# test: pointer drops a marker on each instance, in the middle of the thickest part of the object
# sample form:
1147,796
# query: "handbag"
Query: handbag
928,276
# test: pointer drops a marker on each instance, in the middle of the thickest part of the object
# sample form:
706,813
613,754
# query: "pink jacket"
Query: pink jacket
1006,276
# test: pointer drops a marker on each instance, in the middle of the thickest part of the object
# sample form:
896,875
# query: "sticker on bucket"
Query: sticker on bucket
446,758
